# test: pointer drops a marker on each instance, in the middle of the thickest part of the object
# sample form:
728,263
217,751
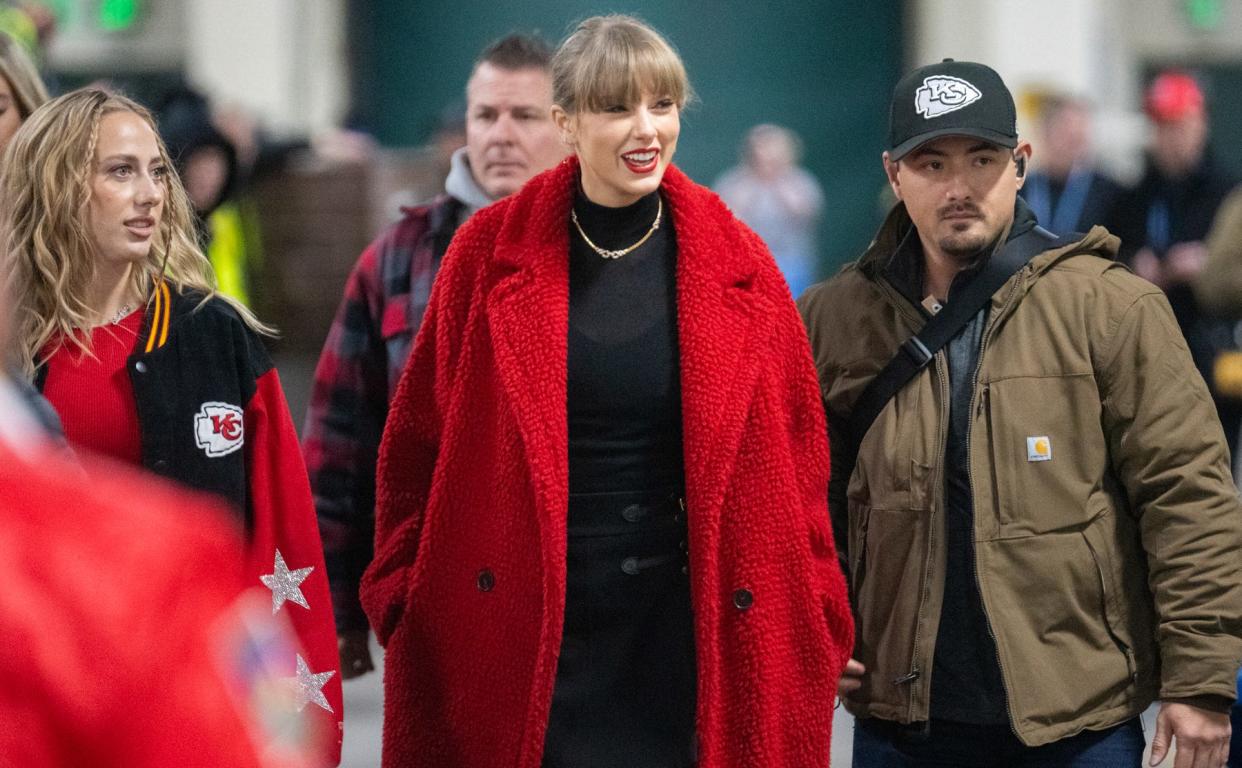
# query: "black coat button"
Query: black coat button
486,580
630,565
159,465
743,599
633,513
140,367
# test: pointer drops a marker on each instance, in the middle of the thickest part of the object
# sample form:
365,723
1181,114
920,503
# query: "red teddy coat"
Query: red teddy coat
467,589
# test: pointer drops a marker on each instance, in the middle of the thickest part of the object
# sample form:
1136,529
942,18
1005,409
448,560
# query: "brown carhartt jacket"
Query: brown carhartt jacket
1108,532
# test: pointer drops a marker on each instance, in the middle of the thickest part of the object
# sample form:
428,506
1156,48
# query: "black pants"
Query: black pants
625,681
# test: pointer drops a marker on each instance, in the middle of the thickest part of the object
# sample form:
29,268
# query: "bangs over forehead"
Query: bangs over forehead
611,60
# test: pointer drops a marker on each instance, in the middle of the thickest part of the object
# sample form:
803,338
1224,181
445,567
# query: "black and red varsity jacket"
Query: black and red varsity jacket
213,416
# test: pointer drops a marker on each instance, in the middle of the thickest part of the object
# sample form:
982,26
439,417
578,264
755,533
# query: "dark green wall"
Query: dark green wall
823,68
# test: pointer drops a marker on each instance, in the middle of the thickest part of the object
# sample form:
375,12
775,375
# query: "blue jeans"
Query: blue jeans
1235,742
879,744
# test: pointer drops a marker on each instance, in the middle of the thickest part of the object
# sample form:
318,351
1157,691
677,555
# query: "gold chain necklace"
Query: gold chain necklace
607,254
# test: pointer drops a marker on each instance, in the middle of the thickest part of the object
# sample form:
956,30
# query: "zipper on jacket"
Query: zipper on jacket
942,381
903,306
970,476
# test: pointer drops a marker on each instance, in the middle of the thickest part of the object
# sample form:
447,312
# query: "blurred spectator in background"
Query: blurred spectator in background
1164,221
1219,290
449,135
777,199
509,138
21,92
27,23
1219,286
21,89
117,323
33,26
1065,191
208,163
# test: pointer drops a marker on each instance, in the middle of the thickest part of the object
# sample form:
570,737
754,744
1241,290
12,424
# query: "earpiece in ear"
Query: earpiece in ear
1021,162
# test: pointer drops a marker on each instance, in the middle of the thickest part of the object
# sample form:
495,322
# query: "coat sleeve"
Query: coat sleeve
1167,447
285,554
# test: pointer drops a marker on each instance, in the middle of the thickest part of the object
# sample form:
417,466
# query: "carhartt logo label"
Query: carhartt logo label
942,94
1038,449
218,429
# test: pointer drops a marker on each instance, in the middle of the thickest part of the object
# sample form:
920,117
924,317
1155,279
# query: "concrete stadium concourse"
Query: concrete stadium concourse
364,714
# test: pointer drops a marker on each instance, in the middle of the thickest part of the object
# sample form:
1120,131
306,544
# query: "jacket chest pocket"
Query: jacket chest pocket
894,470
1046,451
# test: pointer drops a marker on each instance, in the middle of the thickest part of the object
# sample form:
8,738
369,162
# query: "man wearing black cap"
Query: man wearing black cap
1030,491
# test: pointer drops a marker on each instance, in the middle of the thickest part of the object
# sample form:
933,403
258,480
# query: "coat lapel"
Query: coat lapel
528,314
718,310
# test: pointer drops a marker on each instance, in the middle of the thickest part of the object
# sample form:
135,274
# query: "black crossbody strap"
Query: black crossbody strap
917,351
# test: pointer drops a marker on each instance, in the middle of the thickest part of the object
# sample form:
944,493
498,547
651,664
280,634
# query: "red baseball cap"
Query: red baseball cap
1173,95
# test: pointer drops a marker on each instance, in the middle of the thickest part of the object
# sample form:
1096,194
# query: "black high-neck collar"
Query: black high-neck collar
616,227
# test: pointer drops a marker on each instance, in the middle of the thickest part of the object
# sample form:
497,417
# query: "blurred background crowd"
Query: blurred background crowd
301,127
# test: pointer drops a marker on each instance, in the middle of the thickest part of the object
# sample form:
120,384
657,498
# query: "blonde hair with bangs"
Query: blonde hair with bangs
49,253
609,60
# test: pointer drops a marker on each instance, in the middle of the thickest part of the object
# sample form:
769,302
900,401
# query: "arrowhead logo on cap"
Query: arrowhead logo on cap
941,94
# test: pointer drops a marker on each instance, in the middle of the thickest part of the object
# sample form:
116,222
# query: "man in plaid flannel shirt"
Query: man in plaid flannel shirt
509,138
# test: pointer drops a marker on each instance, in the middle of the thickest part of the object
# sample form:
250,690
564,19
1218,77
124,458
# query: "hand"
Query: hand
1147,266
851,678
1202,736
355,653
1184,262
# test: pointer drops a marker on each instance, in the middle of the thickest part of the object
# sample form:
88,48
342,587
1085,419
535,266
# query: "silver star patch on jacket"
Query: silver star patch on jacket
308,686
286,584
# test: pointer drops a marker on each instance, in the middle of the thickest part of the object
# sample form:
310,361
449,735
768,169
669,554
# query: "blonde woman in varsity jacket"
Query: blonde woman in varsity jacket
118,324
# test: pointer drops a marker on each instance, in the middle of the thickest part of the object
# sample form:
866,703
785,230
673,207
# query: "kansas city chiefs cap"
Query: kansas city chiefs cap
952,98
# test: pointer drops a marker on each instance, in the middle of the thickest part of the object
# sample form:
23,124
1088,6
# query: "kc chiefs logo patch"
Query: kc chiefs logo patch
942,94
218,429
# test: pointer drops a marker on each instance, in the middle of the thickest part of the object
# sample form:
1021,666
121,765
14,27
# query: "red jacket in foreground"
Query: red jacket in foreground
467,590
123,640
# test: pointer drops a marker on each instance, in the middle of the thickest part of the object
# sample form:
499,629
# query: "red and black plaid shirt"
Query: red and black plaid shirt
363,356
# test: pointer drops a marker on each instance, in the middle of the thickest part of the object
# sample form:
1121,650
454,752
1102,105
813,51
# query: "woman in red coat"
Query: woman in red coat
601,533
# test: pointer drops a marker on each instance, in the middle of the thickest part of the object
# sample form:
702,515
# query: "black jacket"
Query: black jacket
195,372
1160,212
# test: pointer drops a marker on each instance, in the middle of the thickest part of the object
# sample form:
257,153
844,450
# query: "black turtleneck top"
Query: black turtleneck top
624,374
